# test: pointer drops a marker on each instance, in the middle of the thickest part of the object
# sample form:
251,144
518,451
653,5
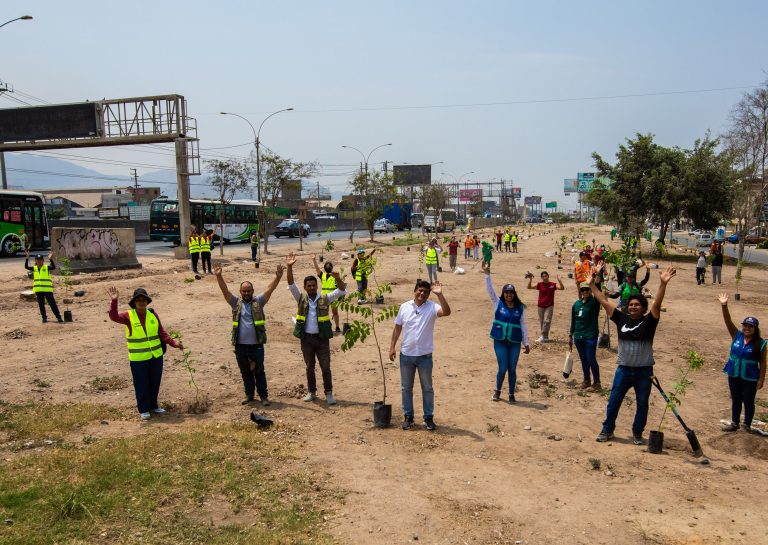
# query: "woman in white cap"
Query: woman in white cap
508,332
145,336
745,366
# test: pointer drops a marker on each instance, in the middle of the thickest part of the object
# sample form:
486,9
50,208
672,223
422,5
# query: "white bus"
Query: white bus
437,221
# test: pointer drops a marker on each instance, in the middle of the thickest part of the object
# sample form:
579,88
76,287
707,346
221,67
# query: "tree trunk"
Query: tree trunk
663,231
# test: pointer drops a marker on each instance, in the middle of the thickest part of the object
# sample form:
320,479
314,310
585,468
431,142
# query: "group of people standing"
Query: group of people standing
715,259
200,244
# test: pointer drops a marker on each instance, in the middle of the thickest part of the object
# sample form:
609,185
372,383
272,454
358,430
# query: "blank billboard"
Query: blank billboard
49,122
412,174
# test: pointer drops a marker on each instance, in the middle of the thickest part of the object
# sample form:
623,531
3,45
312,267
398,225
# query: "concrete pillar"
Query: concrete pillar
182,193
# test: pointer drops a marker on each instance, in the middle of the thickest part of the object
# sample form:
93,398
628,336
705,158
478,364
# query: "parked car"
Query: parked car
703,239
549,221
383,225
290,228
753,237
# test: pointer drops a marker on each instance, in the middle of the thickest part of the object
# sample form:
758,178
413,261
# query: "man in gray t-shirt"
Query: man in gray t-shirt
249,335
637,327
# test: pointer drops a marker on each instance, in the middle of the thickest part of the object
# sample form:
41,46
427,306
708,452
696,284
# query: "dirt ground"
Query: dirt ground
492,472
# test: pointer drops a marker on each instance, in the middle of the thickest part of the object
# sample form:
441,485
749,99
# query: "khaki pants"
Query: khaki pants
545,319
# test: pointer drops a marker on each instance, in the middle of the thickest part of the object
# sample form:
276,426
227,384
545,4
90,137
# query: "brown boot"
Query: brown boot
584,385
596,387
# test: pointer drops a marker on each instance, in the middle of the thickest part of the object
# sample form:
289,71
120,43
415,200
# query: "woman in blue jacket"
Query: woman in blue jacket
745,366
508,332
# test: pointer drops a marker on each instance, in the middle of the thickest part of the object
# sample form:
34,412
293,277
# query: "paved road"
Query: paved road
751,253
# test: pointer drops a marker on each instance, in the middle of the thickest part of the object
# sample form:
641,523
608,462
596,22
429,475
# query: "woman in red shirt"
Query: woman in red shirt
546,303
453,252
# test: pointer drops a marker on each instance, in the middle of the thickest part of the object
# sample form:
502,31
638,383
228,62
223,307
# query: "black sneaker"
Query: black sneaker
265,402
496,395
602,437
430,423
512,398
338,330
407,422
637,439
247,400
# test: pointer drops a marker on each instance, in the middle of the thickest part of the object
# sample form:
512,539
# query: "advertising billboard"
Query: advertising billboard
532,200
517,193
584,181
570,185
50,122
470,195
412,174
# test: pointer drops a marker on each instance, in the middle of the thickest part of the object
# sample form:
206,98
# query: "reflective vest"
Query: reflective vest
328,283
506,323
359,273
744,361
194,245
323,319
468,242
205,244
143,344
581,269
514,239
41,280
431,256
257,316
507,237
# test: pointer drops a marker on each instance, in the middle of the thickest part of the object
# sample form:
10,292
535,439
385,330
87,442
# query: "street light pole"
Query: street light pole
365,160
3,174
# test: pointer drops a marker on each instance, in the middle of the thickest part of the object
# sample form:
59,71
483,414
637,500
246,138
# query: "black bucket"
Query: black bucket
67,315
257,264
382,414
694,441
604,341
321,258
656,442
407,248
345,328
379,299
737,296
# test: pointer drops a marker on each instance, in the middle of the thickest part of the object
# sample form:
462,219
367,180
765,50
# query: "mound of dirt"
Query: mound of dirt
741,444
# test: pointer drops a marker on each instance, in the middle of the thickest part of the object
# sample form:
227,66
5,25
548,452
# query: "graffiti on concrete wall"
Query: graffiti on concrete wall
89,243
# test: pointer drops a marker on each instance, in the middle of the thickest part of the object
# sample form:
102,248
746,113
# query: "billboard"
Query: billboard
584,181
517,192
532,200
50,122
470,195
551,204
412,174
570,185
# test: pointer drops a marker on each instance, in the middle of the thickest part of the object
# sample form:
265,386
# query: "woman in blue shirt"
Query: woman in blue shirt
745,366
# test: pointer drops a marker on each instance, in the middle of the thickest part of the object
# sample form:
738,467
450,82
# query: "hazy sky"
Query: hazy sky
368,73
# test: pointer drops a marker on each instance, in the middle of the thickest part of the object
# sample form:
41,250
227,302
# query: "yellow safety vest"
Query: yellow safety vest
328,283
359,275
194,245
431,257
205,244
507,237
143,344
514,238
41,280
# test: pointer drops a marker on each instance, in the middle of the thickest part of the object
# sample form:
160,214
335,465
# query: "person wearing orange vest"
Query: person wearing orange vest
145,336
42,285
468,243
581,269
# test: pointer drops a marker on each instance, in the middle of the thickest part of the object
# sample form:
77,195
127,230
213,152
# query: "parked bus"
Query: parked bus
444,220
240,218
22,221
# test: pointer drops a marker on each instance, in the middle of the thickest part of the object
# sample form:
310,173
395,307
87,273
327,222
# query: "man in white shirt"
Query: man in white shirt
313,327
416,321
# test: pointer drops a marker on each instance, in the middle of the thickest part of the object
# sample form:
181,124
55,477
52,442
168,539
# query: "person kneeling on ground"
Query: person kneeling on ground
745,367
637,327
145,335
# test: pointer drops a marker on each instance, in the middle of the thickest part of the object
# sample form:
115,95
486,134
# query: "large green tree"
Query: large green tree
374,191
228,177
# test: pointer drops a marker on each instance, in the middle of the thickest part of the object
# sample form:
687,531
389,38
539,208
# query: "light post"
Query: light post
365,163
2,153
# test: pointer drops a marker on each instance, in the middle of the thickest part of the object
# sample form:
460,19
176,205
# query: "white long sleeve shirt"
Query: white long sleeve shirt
311,323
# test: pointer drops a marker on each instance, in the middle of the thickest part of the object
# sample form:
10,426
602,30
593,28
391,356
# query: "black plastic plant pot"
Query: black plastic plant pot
407,248
345,328
737,296
382,414
570,275
656,442
379,299
321,258
67,315
439,269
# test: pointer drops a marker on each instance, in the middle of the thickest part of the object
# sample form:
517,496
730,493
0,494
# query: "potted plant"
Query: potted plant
363,327
65,272
200,405
694,362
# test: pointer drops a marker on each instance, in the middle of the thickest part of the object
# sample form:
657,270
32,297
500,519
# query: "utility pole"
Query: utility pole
135,177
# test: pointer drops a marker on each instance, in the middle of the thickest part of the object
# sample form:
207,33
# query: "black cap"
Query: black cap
39,256
139,292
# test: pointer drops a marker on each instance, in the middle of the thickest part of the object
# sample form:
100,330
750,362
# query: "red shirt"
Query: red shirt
498,237
122,318
546,294
453,248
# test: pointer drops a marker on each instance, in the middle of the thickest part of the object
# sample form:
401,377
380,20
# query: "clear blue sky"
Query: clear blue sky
254,57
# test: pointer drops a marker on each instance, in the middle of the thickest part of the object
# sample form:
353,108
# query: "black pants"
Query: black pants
44,296
312,346
250,360
195,259
506,247
146,382
206,260
742,392
700,275
498,245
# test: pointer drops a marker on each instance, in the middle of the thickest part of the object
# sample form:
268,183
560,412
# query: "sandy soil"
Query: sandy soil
493,472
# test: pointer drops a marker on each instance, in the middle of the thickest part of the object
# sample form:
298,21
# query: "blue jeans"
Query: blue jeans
507,355
408,367
146,382
587,349
625,378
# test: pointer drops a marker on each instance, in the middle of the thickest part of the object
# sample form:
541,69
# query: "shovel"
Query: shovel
689,433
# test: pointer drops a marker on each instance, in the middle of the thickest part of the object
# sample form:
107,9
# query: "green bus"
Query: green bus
22,221
240,217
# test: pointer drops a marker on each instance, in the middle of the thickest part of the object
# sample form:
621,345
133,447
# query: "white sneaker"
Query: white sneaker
330,399
159,410
310,397
541,340
145,416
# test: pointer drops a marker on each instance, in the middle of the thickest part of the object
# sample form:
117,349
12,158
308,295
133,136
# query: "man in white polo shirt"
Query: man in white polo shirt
416,321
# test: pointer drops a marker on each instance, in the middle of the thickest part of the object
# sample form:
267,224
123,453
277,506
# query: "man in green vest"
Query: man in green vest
328,285
360,270
42,284
249,333
313,327
514,242
507,241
